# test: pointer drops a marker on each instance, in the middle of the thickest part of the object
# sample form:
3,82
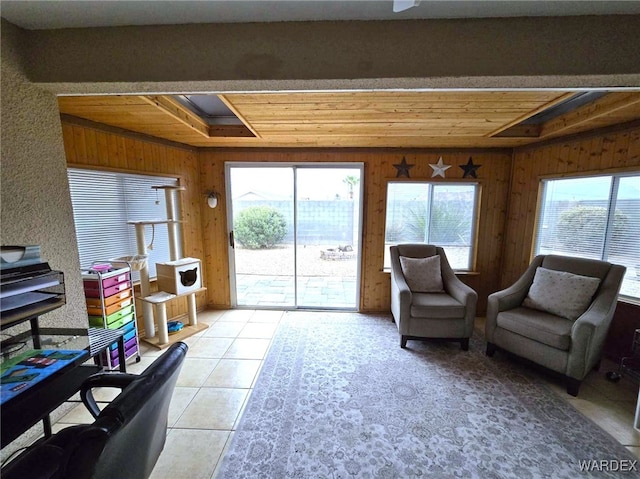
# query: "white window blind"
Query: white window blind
594,217
439,214
103,202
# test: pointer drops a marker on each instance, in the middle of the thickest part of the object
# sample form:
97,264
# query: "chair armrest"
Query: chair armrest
401,295
589,331
509,298
103,380
456,288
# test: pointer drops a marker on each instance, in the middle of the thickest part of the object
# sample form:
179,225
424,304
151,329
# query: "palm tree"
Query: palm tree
351,181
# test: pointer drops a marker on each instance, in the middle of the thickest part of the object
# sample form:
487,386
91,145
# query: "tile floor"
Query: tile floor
222,366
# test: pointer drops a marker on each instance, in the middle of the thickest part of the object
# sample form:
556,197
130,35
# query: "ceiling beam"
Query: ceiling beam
531,113
605,105
180,112
240,116
230,131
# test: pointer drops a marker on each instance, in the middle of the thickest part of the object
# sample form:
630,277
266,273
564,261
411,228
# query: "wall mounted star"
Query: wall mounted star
470,169
403,168
439,168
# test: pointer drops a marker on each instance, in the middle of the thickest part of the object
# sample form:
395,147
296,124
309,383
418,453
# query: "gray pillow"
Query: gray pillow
422,274
561,293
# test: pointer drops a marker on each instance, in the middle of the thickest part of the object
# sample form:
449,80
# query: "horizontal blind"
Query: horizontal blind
440,214
623,245
574,217
594,217
103,202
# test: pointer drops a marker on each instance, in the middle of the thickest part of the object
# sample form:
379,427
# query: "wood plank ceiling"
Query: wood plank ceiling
360,119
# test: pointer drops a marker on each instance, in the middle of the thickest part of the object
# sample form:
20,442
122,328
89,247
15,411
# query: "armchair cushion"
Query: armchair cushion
561,293
436,305
422,274
540,326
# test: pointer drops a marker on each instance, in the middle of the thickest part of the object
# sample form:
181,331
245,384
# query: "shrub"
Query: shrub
583,227
260,227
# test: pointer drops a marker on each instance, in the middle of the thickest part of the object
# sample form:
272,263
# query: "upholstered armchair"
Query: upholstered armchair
427,299
557,314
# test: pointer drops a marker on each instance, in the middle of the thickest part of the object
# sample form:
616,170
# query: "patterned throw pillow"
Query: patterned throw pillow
422,274
561,293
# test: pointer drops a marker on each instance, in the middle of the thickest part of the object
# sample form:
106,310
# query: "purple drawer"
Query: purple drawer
127,354
127,346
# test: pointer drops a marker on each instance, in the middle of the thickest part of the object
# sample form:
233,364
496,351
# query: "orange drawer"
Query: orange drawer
96,303
93,311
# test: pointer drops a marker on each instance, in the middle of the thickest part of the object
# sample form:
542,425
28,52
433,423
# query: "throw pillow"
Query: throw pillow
561,293
422,274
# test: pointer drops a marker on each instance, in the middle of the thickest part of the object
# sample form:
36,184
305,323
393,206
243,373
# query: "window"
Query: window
436,213
594,217
103,203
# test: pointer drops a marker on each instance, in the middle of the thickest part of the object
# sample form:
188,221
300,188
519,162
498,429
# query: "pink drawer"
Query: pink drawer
117,288
106,282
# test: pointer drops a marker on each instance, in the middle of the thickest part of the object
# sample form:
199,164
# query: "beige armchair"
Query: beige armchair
554,318
429,309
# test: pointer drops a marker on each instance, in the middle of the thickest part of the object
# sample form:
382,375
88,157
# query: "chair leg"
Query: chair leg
573,385
491,348
464,344
403,341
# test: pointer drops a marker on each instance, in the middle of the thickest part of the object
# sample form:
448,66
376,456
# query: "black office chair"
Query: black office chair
127,436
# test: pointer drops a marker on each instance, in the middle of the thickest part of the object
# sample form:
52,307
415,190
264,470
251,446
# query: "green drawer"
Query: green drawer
98,322
121,322
118,315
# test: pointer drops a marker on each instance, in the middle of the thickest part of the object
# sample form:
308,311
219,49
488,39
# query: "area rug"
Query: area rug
337,398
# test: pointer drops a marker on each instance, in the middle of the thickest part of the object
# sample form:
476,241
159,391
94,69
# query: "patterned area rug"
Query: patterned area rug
337,397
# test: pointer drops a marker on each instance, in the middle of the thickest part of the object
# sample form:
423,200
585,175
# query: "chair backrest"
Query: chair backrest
420,250
129,434
415,250
581,266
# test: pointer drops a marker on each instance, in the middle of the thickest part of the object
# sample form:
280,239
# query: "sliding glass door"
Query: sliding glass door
295,235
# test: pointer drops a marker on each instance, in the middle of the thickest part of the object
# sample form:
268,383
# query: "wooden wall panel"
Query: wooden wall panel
586,154
378,168
88,147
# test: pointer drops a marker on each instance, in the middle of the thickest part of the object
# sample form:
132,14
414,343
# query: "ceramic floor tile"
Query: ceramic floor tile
210,348
266,316
258,330
78,415
195,371
237,315
633,449
248,349
615,417
224,451
223,329
145,362
234,373
190,454
180,400
213,408
210,316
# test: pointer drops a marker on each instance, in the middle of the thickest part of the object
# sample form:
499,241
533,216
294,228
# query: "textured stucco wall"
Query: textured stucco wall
458,53
36,206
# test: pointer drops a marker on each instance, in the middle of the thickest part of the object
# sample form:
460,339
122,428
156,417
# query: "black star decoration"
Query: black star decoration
470,169
403,168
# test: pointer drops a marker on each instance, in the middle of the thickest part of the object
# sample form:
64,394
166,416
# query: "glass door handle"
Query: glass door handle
231,240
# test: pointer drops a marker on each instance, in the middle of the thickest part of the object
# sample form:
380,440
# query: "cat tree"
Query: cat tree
154,304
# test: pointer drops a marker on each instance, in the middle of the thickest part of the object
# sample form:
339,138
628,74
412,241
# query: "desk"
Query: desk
20,412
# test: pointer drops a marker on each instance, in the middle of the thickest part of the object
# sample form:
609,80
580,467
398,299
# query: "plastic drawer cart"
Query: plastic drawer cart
110,303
